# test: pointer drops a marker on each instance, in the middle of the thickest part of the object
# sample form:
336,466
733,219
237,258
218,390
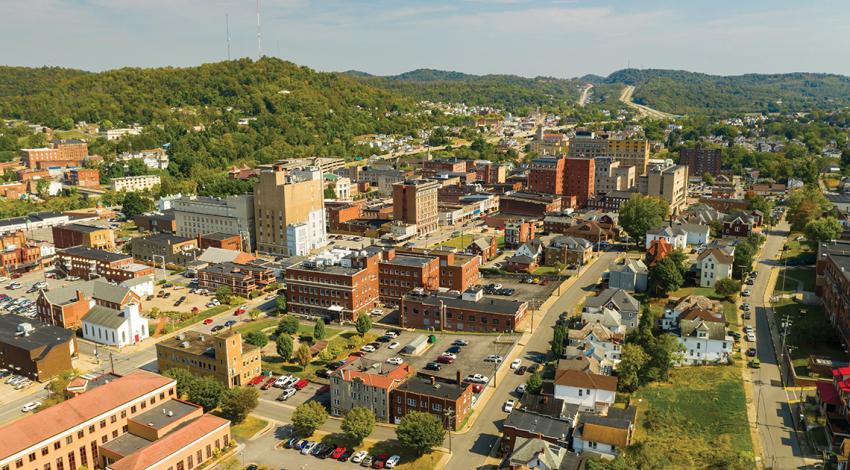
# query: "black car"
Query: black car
319,449
534,368
521,370
384,339
433,366
454,349
217,328
330,450
375,345
336,365
346,455
323,373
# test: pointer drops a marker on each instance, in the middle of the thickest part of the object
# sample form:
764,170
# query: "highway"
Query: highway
626,98
585,94
472,447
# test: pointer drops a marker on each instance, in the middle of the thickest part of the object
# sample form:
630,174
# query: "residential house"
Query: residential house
532,249
604,435
591,231
674,235
704,338
537,454
658,250
740,225
588,390
521,263
486,247
596,340
714,264
678,307
541,417
631,275
601,308
568,251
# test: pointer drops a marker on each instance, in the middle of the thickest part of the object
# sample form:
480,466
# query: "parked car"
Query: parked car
346,455
395,361
448,354
217,328
368,348
392,461
308,447
751,337
746,293
460,342
516,363
337,453
268,384
477,378
445,360
393,345
454,350
359,456
751,352
229,323
433,366
509,406
755,363
30,406
493,358
367,461
208,321
521,370
520,389
300,384
286,395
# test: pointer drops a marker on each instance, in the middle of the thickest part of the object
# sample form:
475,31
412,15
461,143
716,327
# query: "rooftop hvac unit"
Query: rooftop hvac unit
184,344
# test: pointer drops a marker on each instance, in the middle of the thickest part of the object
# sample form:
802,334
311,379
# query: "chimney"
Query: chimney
433,380
458,376
545,399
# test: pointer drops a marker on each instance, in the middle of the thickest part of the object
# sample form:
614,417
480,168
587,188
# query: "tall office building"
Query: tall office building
611,175
701,160
579,179
202,215
289,210
629,152
668,182
415,202
546,175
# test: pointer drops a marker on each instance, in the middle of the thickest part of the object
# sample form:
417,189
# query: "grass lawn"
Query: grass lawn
794,278
799,252
697,420
201,316
246,429
544,270
460,242
810,334
304,328
279,367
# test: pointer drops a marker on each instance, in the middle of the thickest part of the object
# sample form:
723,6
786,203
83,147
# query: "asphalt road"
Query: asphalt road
472,447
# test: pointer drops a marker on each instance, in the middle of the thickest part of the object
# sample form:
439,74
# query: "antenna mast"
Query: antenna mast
227,23
259,35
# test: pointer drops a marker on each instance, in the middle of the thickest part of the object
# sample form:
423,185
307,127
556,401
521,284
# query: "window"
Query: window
411,402
102,423
32,457
69,439
57,445
113,419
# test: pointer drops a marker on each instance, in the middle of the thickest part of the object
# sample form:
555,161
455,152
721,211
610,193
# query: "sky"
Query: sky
559,38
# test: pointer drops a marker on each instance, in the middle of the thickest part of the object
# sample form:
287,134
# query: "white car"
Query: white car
392,461
30,406
746,293
509,406
395,361
376,312
477,378
520,389
448,354
287,394
393,345
748,329
359,456
391,334
284,381
368,348
308,447
516,363
493,358
751,337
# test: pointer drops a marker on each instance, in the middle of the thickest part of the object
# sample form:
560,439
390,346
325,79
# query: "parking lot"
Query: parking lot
308,393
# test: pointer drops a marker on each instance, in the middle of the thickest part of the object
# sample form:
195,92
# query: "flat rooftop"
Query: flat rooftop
486,304
423,386
126,444
164,414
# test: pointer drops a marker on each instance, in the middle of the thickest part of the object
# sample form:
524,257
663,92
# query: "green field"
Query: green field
802,278
810,334
246,429
799,252
697,420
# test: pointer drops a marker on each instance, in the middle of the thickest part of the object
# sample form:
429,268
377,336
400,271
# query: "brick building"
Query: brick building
242,279
546,175
88,263
89,236
451,401
33,350
415,202
165,247
449,165
224,356
366,383
470,311
532,204
157,222
457,271
701,160
225,241
58,153
399,274
83,177
18,255
832,283
519,232
579,177
66,306
336,285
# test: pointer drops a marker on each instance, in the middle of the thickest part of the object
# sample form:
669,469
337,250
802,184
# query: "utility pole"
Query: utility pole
449,414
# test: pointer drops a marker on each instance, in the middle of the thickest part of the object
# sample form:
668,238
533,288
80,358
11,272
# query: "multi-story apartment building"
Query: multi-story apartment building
368,384
415,202
83,177
470,311
579,178
337,285
164,247
519,232
553,143
832,282
629,152
33,350
611,175
451,401
289,211
89,236
88,263
668,182
546,175
223,356
59,153
701,160
17,254
531,204
457,271
382,178
242,279
199,215
399,274
132,184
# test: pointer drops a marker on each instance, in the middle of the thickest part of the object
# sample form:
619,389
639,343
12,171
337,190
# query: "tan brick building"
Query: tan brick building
223,356
89,236
242,279
470,311
415,202
289,210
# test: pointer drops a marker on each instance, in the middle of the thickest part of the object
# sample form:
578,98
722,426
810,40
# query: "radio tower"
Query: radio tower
259,35
227,25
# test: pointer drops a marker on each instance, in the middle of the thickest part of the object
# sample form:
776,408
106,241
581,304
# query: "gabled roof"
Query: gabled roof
622,300
105,317
658,249
580,379
598,330
536,424
110,292
715,330
521,259
720,255
572,243
691,301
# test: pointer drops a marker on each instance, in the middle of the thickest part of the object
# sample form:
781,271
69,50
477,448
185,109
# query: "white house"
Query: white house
675,236
604,435
696,234
141,286
703,335
616,300
714,264
604,343
115,327
678,307
532,249
589,391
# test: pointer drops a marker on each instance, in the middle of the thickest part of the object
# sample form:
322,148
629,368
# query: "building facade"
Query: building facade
579,179
241,278
415,202
546,175
132,184
89,236
701,160
289,211
451,401
470,311
223,356
38,352
399,274
88,264
366,383
199,215
668,182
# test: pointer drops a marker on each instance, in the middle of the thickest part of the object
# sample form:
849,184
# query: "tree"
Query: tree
257,338
223,294
665,277
206,391
558,337
280,304
640,214
254,314
633,359
534,383
135,204
308,417
823,230
708,178
319,329
664,351
42,188
283,346
745,253
727,287
363,324
287,325
805,205
303,355
762,204
358,423
330,192
237,402
681,260
184,380
420,432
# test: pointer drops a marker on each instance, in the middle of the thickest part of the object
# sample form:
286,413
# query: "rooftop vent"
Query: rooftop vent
184,344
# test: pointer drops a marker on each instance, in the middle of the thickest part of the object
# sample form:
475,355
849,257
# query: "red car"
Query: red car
300,384
208,321
268,383
477,388
337,453
257,380
445,360
239,311
380,461
16,275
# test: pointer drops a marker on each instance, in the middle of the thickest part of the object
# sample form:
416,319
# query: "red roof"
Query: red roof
841,375
828,394
658,249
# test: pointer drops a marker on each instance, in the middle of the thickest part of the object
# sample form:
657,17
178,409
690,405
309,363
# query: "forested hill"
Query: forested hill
682,92
296,111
